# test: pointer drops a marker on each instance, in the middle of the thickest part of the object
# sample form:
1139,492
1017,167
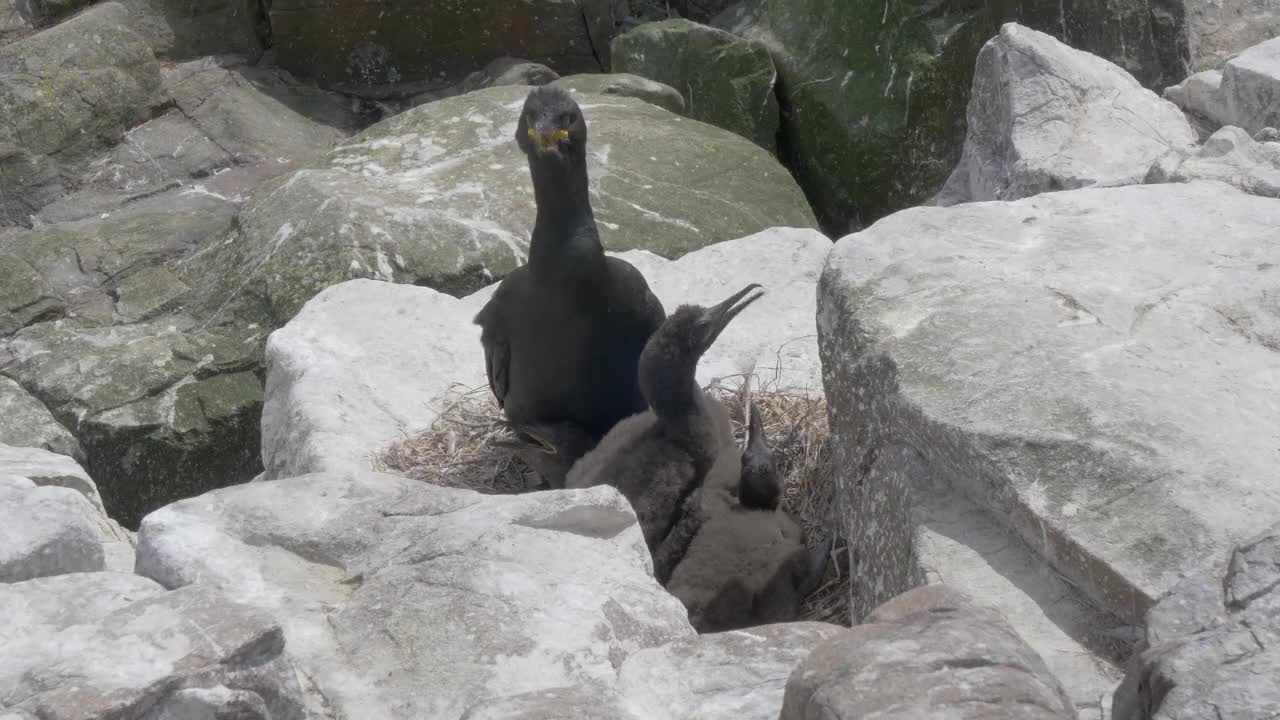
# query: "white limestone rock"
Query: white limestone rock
1096,367
1244,92
52,520
26,422
736,675
340,387
99,645
1044,117
1230,156
401,599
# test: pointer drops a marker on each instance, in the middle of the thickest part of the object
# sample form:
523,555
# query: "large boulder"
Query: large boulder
163,409
626,84
440,196
339,387
1212,647
725,80
1229,155
99,645
1242,92
1045,117
63,92
929,655
53,519
403,599
1095,367
364,48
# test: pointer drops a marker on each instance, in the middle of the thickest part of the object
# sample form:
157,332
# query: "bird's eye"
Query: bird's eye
570,119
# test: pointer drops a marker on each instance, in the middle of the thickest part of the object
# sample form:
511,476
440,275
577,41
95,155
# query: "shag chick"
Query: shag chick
562,335
746,563
659,457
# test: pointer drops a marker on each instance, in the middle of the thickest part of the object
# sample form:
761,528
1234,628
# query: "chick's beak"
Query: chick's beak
717,317
547,137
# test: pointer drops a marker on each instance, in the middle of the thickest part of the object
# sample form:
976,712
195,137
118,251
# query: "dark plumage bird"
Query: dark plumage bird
563,333
745,562
659,457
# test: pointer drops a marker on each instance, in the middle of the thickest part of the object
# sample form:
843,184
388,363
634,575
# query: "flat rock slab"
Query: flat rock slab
1043,116
339,388
627,85
736,675
401,599
440,196
1096,367
95,645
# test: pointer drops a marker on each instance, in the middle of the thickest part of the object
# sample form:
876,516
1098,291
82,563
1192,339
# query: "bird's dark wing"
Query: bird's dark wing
497,350
631,283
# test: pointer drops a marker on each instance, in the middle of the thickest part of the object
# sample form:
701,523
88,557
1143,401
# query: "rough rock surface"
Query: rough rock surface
935,657
1218,29
627,85
163,409
399,598
339,388
738,674
440,196
26,422
1243,92
1213,648
1229,155
366,49
65,91
95,645
1045,117
1067,361
725,80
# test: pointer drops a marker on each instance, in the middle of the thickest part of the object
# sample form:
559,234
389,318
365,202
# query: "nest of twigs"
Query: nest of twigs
460,450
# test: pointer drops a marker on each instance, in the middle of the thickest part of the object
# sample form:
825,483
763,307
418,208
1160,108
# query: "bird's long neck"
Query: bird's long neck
673,393
565,226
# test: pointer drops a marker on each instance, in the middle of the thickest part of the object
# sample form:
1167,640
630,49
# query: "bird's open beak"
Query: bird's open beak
547,138
717,317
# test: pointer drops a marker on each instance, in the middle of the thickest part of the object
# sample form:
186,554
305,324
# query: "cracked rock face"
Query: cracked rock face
1230,156
1075,362
1043,116
933,657
96,645
403,599
1213,648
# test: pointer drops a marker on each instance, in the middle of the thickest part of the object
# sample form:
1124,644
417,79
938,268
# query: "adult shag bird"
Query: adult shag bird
563,333
658,458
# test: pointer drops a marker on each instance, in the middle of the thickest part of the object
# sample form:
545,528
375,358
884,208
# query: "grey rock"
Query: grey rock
46,531
440,196
26,422
13,23
726,80
99,645
1218,29
1070,362
1229,156
736,675
627,85
947,659
564,702
399,598
42,13
74,85
331,408
179,30
1045,117
162,408
48,469
1213,647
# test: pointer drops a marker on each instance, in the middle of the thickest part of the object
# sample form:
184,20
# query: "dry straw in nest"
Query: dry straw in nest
460,450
